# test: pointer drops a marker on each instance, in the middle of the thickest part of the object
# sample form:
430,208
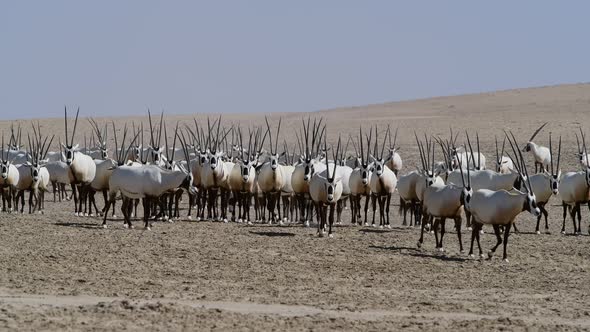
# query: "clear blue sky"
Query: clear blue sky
121,57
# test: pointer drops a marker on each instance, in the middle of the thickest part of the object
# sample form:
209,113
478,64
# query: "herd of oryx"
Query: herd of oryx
228,171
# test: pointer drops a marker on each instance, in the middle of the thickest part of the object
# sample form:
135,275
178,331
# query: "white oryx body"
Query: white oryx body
485,179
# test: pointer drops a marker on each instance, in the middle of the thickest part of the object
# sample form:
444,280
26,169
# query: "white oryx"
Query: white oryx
383,183
271,178
360,179
242,179
440,201
308,165
325,189
504,164
545,185
82,166
500,208
541,153
394,160
148,183
33,176
9,178
574,190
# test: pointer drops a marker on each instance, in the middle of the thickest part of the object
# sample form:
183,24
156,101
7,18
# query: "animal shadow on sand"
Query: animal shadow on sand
79,225
272,233
414,252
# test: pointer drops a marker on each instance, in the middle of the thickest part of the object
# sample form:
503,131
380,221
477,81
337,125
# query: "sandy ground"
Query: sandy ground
60,272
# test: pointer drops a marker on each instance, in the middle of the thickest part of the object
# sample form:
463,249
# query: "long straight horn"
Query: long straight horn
2,155
160,130
478,151
269,134
558,155
277,137
578,142
498,160
75,125
335,158
152,140
384,142
420,150
551,152
369,140
327,166
118,151
361,145
66,123
471,150
395,138
537,131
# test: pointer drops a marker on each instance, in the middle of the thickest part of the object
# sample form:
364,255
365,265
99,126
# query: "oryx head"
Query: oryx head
155,147
530,203
377,159
428,171
273,154
70,149
555,171
4,162
332,178
529,146
309,149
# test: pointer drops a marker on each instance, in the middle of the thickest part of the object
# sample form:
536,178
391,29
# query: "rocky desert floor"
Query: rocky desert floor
61,272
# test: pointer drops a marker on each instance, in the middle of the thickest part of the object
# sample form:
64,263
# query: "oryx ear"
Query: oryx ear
301,160
373,159
28,164
75,147
63,145
282,154
558,173
337,179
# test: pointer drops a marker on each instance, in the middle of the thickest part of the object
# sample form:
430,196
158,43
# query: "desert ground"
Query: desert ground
61,272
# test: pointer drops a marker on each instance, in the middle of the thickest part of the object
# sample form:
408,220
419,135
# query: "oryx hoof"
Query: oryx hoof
104,226
249,222
225,220
285,219
189,217
320,234
306,223
198,219
441,249
506,260
490,254
481,231
76,214
469,228
538,232
372,225
471,256
481,256
280,223
114,216
366,224
381,226
431,231
461,251
91,215
148,228
419,244
547,232
331,236
389,226
563,232
125,226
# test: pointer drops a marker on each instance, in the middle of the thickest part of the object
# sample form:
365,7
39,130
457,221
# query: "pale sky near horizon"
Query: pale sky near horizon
121,57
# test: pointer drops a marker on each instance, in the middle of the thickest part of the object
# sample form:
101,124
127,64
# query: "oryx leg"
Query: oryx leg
339,208
374,203
442,233
387,204
331,220
421,240
458,227
367,199
506,234
498,238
